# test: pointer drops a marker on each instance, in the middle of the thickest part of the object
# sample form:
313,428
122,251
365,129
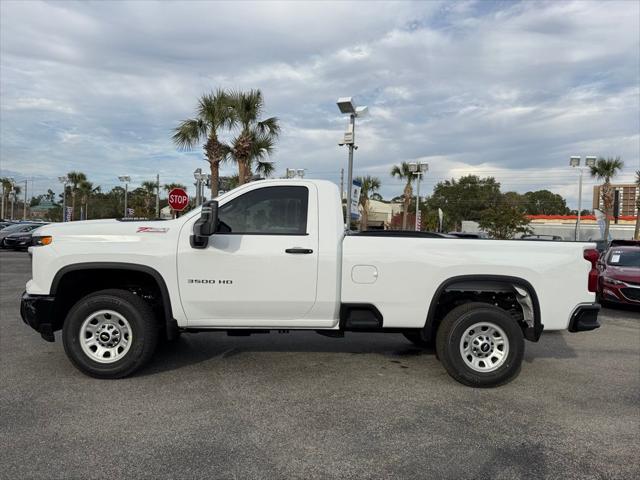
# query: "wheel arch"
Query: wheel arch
489,283
114,268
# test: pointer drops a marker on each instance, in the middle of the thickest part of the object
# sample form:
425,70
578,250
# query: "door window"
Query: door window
266,211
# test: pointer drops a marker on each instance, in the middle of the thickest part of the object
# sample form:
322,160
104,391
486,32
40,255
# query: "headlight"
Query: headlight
612,281
41,240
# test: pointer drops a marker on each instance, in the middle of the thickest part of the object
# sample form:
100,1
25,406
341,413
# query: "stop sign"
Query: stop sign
178,199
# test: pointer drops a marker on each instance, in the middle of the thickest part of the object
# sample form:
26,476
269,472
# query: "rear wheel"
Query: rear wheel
110,334
480,345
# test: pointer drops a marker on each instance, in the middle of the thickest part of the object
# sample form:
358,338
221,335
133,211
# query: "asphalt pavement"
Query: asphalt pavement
300,405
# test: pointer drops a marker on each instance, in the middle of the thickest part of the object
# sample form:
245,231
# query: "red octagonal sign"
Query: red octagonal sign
178,199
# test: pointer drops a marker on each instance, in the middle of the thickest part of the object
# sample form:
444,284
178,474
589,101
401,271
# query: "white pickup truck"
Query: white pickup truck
273,255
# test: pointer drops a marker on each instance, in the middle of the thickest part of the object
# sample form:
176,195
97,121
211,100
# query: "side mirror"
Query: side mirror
206,225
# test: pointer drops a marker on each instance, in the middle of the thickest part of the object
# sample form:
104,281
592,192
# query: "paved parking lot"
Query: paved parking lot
305,406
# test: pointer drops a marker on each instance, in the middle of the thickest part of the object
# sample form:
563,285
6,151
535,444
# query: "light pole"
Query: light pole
348,107
126,179
201,179
574,162
418,168
64,181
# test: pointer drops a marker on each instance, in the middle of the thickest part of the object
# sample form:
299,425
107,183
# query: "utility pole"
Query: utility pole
341,184
575,162
158,195
24,205
2,211
126,179
417,169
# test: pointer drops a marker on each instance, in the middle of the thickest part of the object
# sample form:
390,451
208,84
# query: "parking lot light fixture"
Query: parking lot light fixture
125,179
347,106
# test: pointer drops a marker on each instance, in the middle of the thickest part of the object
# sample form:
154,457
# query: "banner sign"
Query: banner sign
355,199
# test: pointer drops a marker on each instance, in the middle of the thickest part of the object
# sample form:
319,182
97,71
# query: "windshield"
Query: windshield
624,258
18,227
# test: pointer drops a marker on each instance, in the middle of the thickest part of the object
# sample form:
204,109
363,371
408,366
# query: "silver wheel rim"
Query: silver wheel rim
105,336
484,347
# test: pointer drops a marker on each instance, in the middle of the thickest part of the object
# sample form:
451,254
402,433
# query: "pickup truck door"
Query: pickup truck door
261,267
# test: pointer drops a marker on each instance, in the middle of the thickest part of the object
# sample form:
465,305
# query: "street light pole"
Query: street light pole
347,106
64,181
126,179
24,204
417,169
575,162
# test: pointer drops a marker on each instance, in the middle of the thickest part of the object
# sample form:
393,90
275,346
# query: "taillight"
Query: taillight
592,256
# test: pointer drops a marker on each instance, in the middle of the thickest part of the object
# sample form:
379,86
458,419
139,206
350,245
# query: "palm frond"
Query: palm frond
270,125
189,133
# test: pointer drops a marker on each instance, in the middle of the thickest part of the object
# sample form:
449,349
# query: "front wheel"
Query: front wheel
480,345
110,334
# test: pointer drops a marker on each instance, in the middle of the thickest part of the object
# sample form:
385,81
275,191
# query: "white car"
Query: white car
273,255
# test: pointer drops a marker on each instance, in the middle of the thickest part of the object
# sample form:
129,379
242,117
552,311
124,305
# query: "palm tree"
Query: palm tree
403,173
212,116
369,185
86,189
256,138
148,188
75,180
8,186
605,170
636,234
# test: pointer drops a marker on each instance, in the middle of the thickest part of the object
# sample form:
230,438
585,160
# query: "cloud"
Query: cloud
507,89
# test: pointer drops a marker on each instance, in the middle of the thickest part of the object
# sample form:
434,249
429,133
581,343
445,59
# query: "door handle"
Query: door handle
304,251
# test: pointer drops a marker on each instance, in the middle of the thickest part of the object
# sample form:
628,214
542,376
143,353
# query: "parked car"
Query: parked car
619,279
273,255
18,240
541,237
17,228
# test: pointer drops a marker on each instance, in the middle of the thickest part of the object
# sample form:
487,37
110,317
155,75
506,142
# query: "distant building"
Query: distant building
629,193
41,210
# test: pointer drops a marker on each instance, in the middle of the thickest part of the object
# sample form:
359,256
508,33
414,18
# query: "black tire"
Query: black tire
141,319
451,331
418,339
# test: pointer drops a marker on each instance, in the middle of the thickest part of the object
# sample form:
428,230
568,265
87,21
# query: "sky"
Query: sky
507,89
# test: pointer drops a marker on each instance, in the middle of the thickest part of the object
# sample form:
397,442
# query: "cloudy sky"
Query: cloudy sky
501,88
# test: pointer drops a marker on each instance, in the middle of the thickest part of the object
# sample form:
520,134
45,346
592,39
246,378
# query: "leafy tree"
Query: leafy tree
464,199
214,113
544,202
402,172
369,185
605,170
504,219
256,138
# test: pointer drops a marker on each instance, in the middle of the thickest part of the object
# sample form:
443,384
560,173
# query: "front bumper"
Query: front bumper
17,243
37,312
585,318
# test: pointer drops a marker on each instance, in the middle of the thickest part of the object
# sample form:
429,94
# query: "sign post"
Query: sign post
178,199
355,200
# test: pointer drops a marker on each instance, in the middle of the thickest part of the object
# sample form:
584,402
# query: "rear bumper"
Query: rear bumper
585,318
37,312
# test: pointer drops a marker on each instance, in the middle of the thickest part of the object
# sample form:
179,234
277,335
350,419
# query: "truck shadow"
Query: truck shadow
551,345
192,349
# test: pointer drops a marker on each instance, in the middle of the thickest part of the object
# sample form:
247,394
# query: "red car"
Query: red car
619,279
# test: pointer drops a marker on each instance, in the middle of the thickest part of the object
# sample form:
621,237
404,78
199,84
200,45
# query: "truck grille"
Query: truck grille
631,293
